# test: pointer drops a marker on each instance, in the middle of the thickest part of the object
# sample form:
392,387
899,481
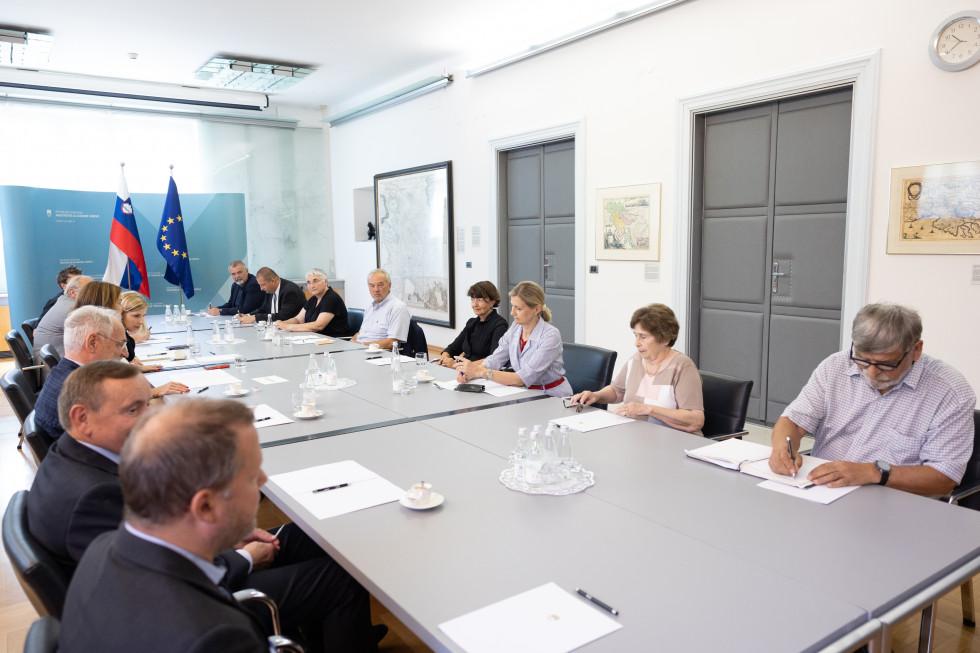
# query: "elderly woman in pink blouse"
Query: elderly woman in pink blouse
657,382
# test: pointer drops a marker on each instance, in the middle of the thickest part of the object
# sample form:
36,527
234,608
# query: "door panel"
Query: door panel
736,162
559,180
524,187
733,259
733,343
810,251
524,255
797,345
813,151
559,252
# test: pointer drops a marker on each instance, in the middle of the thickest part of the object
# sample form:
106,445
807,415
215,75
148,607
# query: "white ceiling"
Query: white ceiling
357,45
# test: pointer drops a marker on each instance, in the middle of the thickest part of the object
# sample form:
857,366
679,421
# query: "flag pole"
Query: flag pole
129,274
180,289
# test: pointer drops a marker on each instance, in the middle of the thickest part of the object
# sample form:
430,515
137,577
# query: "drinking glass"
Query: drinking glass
240,362
420,361
410,382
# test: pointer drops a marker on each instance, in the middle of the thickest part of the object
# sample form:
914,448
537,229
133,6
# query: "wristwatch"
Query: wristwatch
885,470
489,376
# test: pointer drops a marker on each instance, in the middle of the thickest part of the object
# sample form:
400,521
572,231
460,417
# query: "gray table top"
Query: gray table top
871,548
158,324
487,543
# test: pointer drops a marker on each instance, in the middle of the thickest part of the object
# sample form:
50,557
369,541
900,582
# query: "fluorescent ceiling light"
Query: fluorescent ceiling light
267,77
21,47
614,21
409,92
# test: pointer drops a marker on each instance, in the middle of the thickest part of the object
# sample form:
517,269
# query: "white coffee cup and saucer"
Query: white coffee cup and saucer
235,390
421,497
308,411
424,376
373,348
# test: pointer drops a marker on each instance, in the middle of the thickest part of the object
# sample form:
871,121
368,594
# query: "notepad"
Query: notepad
592,420
752,458
337,488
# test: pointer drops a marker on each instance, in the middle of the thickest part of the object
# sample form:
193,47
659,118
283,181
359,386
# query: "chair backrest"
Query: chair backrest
18,392
23,354
43,578
43,636
726,401
588,367
971,478
37,438
416,343
50,356
28,326
355,317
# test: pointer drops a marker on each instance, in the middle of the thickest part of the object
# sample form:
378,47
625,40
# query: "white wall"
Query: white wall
625,84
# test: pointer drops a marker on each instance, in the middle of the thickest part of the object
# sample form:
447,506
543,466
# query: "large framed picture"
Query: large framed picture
414,217
628,223
935,209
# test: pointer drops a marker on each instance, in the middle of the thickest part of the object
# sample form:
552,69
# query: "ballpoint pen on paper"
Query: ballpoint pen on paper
262,419
332,487
605,606
203,389
789,448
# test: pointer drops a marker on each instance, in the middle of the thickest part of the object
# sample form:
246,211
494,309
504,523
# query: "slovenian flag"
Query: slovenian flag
172,243
126,266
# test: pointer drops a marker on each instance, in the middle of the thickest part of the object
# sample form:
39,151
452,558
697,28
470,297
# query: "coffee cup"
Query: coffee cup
424,375
180,354
374,346
235,388
308,409
420,492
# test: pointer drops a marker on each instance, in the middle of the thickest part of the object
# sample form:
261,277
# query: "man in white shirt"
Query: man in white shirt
387,319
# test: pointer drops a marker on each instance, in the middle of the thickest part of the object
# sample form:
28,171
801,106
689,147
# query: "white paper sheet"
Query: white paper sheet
365,489
592,420
154,340
304,340
546,619
266,380
492,388
386,360
217,358
816,493
203,378
187,362
275,417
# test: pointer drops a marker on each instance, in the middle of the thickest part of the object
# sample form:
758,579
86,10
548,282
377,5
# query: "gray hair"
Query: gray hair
74,282
381,272
88,319
883,327
318,273
235,264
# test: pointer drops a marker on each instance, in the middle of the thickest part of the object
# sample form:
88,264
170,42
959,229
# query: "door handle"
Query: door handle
775,275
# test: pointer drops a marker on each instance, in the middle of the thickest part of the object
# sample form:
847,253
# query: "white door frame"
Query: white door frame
861,71
572,129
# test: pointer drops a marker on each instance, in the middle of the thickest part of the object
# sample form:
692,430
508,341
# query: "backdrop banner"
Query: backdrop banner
46,229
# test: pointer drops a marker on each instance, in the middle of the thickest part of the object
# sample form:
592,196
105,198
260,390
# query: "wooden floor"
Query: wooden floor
16,614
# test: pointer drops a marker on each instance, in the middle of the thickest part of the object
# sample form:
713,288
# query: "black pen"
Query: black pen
203,389
372,358
789,448
332,487
607,608
262,419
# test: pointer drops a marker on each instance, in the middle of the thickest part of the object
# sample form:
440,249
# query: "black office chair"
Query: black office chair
43,636
21,398
416,343
355,317
28,326
50,356
26,361
276,640
588,367
44,579
726,401
37,438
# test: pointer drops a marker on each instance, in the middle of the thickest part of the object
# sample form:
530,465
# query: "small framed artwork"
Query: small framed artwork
935,209
414,222
628,223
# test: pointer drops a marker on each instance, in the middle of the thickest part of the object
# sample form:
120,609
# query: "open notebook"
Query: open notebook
751,458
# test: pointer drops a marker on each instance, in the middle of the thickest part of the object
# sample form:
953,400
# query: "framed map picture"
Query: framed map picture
414,216
628,223
935,209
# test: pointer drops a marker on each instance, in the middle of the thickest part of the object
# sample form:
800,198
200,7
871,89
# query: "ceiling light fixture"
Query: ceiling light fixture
19,46
415,90
614,21
227,71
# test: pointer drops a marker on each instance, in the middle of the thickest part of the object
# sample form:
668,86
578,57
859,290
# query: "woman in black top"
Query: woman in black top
479,337
324,312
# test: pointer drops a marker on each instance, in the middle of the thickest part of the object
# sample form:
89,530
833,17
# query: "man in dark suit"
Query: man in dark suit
76,496
246,296
283,299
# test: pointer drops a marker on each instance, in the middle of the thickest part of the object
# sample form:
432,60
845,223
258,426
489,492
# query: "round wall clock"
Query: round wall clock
955,44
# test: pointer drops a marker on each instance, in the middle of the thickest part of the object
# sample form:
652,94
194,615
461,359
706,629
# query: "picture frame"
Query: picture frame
413,210
935,209
628,223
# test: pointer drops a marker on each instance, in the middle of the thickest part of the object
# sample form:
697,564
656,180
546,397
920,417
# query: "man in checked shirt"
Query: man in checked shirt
884,412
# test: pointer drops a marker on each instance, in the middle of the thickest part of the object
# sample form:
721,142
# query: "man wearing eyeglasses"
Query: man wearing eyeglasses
883,411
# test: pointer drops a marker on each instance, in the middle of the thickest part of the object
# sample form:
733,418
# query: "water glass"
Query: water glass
240,362
410,382
260,327
421,361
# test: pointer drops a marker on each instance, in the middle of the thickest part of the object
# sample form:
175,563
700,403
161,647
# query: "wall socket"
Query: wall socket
593,269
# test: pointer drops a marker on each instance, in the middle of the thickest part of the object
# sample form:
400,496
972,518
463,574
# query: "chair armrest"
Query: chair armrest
248,595
961,492
33,367
728,436
280,643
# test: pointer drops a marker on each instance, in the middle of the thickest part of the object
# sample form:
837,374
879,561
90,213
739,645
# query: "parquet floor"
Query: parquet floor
17,470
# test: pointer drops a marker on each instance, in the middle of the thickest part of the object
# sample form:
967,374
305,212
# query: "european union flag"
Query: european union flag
172,243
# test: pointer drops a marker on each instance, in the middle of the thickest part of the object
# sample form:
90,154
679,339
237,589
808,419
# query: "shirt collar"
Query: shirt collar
911,379
111,455
377,304
209,569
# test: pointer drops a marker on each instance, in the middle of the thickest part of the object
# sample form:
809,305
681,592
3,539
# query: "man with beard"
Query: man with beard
246,296
884,412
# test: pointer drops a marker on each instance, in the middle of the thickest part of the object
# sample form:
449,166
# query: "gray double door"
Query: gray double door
770,220
538,226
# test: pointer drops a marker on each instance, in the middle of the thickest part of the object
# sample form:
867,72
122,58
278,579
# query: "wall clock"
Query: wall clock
955,44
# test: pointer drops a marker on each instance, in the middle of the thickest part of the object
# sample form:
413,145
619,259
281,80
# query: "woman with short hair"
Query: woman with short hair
657,383
481,335
324,312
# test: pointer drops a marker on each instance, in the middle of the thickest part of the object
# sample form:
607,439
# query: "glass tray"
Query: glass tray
578,481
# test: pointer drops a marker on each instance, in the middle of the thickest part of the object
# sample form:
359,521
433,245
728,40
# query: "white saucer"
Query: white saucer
435,499
231,393
374,351
428,379
319,413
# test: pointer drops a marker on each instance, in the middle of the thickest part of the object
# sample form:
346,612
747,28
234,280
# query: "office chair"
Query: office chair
21,398
726,401
355,317
588,367
416,343
24,357
276,640
50,356
28,326
44,579
43,636
966,494
37,438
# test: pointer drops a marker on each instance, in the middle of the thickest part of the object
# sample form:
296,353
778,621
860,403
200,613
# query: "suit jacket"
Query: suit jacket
46,407
244,299
291,300
132,595
48,304
76,497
